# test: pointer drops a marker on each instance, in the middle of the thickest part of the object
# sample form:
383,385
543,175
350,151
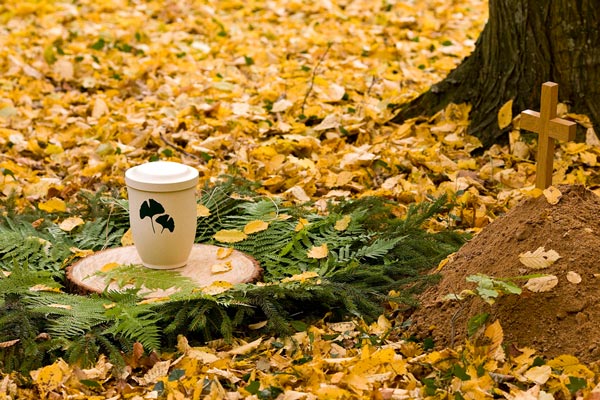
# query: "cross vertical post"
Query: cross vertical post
548,127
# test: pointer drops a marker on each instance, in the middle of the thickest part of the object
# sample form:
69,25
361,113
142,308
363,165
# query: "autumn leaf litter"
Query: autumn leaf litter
296,96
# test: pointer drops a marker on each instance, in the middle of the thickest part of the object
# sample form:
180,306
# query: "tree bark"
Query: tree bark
524,44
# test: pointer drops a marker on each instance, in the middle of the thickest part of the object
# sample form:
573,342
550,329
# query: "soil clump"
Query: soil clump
563,320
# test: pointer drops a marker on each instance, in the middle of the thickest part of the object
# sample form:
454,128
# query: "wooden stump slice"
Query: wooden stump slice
207,265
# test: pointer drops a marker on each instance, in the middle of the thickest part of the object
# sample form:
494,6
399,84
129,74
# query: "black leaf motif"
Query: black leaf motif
150,208
167,222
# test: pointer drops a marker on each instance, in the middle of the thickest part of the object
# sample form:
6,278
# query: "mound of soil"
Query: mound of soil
564,320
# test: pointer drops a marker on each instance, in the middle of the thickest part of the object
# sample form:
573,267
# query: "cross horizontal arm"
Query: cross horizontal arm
557,128
562,129
531,121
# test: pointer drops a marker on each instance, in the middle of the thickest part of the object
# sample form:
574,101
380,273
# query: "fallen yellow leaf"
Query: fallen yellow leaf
127,238
202,211
505,114
217,287
77,252
342,224
302,223
301,277
552,195
539,259
230,236
255,226
542,284
246,348
224,252
109,266
539,375
221,267
53,205
318,252
70,223
573,277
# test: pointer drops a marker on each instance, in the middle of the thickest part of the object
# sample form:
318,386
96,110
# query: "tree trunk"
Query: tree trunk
524,44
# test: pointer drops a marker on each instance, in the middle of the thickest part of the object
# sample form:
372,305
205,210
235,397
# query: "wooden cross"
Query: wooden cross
548,127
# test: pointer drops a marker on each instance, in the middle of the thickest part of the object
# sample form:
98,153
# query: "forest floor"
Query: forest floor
295,95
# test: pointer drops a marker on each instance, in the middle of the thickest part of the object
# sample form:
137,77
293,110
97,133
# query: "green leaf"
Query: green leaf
476,322
575,384
176,374
299,326
253,387
49,55
460,372
99,44
90,383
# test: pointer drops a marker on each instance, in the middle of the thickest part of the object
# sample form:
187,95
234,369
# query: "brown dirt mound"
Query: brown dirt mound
564,320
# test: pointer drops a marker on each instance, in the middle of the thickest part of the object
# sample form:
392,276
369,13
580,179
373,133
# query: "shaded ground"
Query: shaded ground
563,320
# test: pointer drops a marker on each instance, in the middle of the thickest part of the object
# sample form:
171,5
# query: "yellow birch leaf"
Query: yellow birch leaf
301,277
224,252
202,211
552,195
9,343
326,391
573,277
127,238
342,224
100,108
40,287
246,348
217,287
505,114
539,375
77,252
539,259
318,252
50,377
302,223
281,105
258,325
53,205
221,267
255,226
63,306
379,357
230,236
158,370
496,335
562,361
542,284
153,300
70,223
109,266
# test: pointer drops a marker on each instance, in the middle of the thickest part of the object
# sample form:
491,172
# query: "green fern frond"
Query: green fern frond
139,324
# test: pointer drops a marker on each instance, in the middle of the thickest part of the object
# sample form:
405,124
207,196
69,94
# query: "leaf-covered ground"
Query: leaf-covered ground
295,95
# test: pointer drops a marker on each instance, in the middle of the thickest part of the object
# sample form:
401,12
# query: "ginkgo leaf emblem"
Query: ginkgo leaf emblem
151,208
167,222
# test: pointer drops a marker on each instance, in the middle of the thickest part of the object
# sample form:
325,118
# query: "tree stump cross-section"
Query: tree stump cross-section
206,266
548,127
